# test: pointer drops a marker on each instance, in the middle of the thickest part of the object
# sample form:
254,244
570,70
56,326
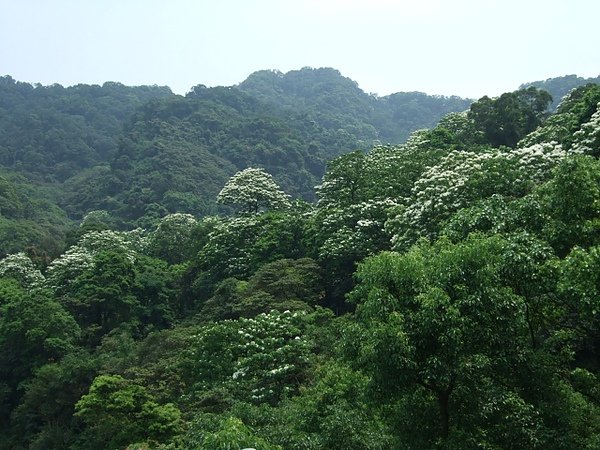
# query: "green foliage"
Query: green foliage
572,199
20,267
117,412
172,239
435,316
462,178
285,284
327,101
573,124
228,433
34,330
257,359
334,412
507,119
481,331
579,284
560,87
44,417
237,247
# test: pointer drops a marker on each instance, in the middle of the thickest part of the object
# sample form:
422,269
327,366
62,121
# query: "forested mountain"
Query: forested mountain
558,87
142,152
51,132
335,102
441,293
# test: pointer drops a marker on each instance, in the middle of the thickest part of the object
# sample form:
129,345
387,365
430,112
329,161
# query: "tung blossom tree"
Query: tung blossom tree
464,177
252,190
20,267
587,139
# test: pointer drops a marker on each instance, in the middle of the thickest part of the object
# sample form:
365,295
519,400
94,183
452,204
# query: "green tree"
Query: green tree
334,412
44,416
20,267
172,239
258,360
118,412
442,331
102,297
226,433
345,182
571,202
34,330
510,117
285,284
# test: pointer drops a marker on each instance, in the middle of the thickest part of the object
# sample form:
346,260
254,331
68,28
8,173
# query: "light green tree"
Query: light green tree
441,334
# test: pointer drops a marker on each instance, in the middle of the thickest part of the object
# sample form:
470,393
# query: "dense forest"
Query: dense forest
142,152
170,279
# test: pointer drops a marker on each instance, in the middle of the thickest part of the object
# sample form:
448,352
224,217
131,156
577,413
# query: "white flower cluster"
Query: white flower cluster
77,259
449,185
417,139
538,160
129,242
96,216
266,352
441,187
253,189
177,221
71,264
356,231
22,269
272,347
554,129
173,232
456,122
228,245
587,138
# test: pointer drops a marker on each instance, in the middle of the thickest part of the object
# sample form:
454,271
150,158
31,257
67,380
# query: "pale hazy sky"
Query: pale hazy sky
461,47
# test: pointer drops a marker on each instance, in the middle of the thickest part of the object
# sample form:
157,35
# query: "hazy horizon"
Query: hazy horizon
466,48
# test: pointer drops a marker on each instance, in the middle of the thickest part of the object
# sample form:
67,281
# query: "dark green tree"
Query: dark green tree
508,118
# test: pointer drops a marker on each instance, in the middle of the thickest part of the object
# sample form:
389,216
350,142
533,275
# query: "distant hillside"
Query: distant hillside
144,150
560,86
333,100
51,132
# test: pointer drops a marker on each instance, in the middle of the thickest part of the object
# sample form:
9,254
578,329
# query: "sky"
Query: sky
468,48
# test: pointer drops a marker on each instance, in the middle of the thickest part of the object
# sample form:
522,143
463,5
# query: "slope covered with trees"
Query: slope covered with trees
440,293
143,151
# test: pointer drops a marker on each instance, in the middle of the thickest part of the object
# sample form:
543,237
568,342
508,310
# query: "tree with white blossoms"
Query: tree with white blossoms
462,178
252,190
80,257
587,139
172,240
22,269
256,359
97,219
573,123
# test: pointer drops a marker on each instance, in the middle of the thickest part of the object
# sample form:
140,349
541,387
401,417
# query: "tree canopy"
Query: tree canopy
438,293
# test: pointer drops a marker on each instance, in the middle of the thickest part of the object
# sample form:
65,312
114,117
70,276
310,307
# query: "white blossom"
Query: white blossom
20,267
587,138
251,190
